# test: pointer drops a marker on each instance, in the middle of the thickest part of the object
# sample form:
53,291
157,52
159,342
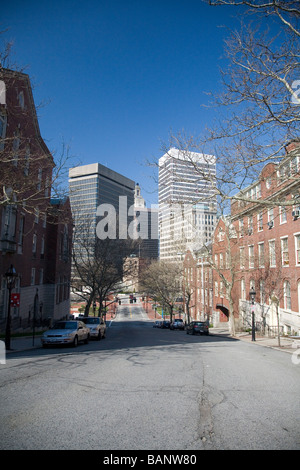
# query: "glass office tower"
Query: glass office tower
187,202
94,185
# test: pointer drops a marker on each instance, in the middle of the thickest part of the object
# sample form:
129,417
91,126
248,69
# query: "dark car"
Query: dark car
157,324
165,324
177,324
197,327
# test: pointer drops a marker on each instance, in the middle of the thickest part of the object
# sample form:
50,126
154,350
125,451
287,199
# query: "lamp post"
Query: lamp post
252,294
10,276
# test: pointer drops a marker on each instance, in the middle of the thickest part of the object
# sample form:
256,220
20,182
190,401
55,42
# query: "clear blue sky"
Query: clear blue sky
119,75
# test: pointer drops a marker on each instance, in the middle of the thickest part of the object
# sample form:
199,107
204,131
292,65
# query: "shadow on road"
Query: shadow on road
130,334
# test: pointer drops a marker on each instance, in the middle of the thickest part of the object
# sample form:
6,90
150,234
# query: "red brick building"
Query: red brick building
262,249
197,286
26,212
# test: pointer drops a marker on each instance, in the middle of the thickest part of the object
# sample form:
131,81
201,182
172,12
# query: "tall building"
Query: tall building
187,202
147,226
96,185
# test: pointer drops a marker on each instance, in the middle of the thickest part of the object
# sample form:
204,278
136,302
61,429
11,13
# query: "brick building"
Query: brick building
28,235
197,286
259,248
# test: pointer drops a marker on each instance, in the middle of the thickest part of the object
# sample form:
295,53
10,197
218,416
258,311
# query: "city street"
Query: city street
143,388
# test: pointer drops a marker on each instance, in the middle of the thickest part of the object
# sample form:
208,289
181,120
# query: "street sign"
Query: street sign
15,300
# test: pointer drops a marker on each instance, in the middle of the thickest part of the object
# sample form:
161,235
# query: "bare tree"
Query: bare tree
163,281
98,264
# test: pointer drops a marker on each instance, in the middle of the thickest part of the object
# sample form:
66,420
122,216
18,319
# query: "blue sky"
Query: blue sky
118,76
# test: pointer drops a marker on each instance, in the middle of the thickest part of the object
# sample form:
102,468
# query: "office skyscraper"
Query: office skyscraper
187,202
93,187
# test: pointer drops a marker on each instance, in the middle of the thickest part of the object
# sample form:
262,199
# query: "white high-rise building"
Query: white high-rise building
187,202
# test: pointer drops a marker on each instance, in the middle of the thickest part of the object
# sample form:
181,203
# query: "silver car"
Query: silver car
66,332
96,325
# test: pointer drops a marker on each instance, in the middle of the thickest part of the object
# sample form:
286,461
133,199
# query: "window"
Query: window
9,215
251,257
216,289
297,248
260,221
262,291
221,289
3,123
221,261
261,255
271,218
242,257
241,227
282,212
27,161
32,281
287,295
243,289
284,251
272,253
250,225
34,242
21,234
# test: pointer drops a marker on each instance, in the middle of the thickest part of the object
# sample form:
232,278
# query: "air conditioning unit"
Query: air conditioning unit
296,213
270,224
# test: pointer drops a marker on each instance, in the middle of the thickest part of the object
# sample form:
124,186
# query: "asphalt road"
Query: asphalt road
144,388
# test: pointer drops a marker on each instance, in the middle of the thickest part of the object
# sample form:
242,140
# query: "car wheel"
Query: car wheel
75,342
99,335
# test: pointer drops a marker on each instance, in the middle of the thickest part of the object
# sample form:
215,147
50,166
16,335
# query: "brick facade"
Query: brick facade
26,212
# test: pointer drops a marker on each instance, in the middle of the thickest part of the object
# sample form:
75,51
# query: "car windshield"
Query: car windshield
91,320
65,325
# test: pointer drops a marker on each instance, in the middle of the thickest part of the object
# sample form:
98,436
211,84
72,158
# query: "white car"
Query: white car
66,332
96,325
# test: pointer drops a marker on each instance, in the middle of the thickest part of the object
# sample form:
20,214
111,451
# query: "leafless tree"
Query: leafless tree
162,280
98,264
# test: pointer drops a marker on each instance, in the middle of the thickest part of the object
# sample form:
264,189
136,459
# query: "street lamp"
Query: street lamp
252,294
10,276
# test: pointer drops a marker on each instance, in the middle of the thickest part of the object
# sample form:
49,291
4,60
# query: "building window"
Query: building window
262,291
242,257
287,295
41,276
283,216
260,221
216,289
241,227
261,255
243,289
272,253
250,225
297,247
32,280
284,252
271,218
251,257
3,123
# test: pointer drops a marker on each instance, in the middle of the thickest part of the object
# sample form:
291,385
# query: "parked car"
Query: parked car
96,325
66,332
177,324
165,324
157,324
197,327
